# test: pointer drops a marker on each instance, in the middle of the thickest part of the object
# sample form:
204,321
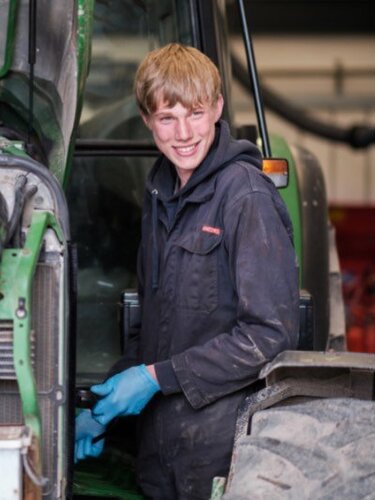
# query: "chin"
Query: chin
188,163
187,166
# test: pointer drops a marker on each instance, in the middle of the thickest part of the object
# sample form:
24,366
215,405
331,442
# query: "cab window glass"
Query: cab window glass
124,31
105,198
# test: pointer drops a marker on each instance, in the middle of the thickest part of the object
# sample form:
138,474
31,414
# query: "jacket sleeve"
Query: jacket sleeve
264,273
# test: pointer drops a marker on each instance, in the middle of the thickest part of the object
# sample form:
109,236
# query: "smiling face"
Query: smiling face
184,135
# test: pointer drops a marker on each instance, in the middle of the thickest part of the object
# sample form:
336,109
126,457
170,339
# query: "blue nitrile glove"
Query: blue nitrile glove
86,430
126,393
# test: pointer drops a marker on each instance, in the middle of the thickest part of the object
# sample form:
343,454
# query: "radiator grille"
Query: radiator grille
7,371
45,356
6,351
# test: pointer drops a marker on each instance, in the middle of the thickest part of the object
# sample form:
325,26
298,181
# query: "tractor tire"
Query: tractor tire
317,449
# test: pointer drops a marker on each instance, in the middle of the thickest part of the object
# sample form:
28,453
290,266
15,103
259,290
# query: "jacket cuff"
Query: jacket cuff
167,379
186,380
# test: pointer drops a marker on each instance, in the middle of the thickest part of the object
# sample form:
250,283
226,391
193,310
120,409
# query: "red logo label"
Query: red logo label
212,230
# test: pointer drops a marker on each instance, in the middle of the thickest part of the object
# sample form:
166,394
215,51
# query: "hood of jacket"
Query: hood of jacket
223,151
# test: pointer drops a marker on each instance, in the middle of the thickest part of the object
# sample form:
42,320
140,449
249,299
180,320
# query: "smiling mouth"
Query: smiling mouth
186,150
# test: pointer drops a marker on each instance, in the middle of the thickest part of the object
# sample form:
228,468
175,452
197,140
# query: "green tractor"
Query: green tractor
74,156
44,60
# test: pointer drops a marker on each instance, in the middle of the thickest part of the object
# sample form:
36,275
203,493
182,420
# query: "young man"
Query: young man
217,279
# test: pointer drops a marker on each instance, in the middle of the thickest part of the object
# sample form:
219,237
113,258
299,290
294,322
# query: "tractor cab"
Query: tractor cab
74,157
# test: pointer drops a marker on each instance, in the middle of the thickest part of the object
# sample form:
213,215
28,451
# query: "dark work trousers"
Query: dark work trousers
181,449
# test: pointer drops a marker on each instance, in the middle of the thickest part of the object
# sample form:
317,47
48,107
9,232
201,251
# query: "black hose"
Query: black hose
28,165
3,223
32,61
253,76
356,136
21,196
17,207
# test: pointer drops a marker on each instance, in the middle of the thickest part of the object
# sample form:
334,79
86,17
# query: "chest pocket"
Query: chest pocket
197,274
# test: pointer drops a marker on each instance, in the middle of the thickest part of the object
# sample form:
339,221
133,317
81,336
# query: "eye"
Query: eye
165,119
197,113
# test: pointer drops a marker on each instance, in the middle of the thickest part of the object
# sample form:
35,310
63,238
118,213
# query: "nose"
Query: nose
183,130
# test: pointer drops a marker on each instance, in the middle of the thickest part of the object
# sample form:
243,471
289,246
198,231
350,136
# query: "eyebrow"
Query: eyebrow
162,113
168,112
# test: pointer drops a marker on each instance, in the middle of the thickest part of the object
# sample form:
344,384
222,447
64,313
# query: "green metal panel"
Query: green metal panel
85,23
16,274
14,91
8,27
290,194
49,121
84,36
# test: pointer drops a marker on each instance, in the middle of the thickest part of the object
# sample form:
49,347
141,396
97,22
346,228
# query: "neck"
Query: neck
183,176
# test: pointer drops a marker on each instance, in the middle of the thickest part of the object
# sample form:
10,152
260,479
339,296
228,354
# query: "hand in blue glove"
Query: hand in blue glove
126,393
86,430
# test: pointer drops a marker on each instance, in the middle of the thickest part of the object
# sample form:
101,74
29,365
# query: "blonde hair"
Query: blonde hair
176,74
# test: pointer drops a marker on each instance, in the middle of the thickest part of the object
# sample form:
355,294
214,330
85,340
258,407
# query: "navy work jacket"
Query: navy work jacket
218,274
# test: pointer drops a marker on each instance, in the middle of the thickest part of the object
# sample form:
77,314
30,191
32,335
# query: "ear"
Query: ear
219,107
